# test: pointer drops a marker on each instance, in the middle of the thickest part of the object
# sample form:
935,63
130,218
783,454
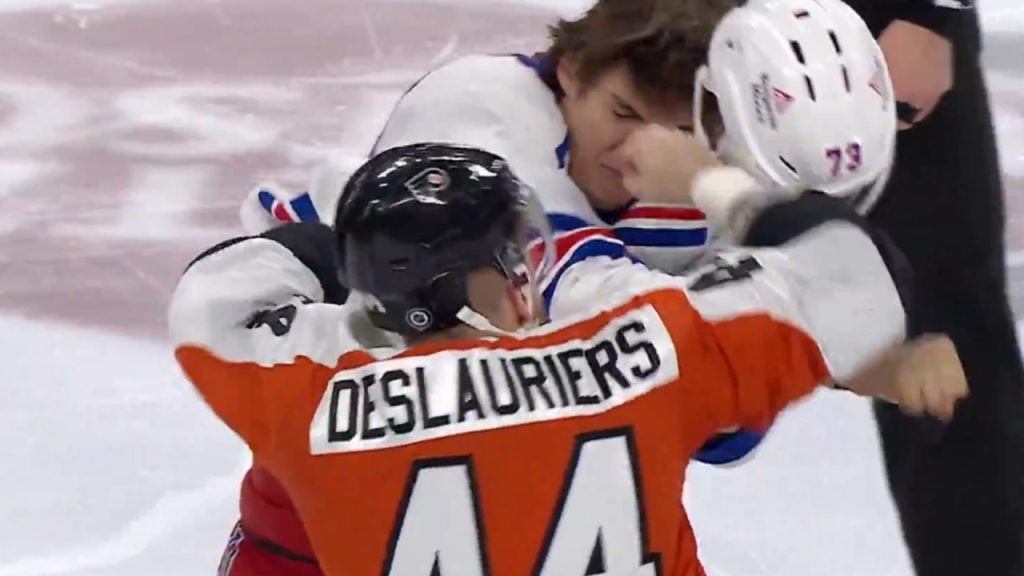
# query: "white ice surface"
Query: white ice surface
113,467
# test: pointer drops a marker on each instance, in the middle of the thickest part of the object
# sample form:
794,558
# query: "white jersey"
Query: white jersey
501,104
498,104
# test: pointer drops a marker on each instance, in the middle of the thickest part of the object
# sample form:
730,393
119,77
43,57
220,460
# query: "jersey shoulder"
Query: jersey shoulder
507,79
493,102
499,104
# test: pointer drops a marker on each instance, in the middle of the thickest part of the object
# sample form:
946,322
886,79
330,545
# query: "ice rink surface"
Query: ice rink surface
130,132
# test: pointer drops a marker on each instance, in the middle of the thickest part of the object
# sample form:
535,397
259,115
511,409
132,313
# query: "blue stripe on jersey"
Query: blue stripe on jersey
667,237
527,60
304,209
561,222
266,199
728,448
562,152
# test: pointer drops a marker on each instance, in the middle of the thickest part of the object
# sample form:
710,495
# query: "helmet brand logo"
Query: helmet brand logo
763,103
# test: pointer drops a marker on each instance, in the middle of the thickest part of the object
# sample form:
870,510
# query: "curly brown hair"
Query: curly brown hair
662,42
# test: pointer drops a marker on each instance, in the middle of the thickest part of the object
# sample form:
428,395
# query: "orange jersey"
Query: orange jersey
558,451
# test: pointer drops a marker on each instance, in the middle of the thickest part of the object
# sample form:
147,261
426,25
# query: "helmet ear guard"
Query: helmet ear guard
445,302
421,311
440,276
729,146
700,86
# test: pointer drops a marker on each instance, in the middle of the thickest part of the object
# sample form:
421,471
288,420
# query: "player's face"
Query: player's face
600,118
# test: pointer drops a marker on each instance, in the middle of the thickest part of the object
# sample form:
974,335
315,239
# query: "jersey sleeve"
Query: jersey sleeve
253,313
672,239
781,319
668,238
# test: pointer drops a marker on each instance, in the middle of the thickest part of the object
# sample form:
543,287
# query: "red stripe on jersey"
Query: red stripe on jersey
565,244
281,213
663,213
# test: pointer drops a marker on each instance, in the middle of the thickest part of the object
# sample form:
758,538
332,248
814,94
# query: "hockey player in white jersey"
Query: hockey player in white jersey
593,124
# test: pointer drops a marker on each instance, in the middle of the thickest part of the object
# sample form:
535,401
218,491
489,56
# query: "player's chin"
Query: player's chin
610,196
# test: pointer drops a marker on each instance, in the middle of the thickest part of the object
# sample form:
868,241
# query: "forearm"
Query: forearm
940,17
955,20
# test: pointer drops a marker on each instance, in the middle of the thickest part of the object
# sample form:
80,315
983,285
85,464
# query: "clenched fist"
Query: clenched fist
929,377
661,163
922,376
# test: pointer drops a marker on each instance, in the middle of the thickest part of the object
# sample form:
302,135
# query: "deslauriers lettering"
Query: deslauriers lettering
480,385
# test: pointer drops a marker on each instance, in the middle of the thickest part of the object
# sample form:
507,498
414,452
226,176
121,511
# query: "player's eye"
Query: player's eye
625,113
623,110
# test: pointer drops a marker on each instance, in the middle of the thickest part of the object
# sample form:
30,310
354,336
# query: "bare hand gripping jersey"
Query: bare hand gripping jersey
558,451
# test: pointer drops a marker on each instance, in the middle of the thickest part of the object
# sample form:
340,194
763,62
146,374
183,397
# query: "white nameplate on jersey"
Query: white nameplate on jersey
954,4
406,400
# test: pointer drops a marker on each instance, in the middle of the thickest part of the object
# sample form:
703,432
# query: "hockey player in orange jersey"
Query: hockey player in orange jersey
492,447
612,86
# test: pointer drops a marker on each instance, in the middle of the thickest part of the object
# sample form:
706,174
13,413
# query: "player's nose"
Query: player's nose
615,159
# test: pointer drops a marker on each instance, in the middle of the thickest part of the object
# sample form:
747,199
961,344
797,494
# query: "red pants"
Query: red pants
253,557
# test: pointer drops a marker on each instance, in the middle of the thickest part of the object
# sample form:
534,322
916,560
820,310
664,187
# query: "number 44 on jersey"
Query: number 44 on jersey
597,526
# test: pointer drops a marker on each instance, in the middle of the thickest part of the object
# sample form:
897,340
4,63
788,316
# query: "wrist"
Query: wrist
729,197
879,378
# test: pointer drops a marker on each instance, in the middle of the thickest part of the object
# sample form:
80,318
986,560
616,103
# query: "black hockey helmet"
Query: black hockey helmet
414,220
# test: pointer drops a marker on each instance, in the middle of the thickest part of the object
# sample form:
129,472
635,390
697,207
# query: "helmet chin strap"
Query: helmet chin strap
474,319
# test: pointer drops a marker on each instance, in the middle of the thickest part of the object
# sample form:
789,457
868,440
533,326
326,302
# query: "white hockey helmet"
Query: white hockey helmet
804,94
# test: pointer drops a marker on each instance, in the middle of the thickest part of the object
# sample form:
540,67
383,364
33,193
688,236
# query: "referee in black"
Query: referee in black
959,489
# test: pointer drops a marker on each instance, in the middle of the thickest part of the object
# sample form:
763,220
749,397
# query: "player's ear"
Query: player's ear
522,303
567,72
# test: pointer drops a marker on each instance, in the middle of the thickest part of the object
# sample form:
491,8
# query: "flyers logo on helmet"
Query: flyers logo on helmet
427,184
